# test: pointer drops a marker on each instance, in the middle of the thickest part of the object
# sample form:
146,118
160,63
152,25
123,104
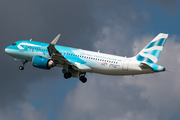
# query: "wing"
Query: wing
58,58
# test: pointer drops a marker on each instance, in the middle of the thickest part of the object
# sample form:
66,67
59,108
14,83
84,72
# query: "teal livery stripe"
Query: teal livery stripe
145,59
156,68
155,53
159,42
69,54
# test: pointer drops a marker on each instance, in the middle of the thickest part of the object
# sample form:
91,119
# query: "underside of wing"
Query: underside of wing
59,59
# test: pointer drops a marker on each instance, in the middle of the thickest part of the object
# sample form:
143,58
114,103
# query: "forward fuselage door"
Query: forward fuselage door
126,64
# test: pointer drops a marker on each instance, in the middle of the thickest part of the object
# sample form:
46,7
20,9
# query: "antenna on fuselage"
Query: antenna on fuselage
98,51
31,39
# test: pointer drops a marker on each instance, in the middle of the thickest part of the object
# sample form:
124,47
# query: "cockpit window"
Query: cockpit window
14,44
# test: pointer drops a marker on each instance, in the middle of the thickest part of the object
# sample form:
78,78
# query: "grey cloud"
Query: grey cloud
31,113
152,97
25,111
170,6
41,20
85,24
104,98
167,2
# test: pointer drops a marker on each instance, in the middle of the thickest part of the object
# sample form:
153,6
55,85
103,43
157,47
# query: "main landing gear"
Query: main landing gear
82,78
67,75
22,67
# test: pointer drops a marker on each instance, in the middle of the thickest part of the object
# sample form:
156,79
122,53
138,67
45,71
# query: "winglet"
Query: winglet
55,39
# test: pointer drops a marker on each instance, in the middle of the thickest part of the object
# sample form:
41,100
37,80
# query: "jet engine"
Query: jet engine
42,62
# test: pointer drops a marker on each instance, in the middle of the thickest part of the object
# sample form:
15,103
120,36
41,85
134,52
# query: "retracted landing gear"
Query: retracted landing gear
22,67
83,79
67,75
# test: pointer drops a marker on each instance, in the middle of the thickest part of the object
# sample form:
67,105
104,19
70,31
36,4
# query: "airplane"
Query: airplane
77,62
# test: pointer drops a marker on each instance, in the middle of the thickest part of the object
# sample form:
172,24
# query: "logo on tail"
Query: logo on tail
152,51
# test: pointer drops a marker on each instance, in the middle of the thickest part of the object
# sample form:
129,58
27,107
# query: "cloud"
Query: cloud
79,22
25,111
109,26
29,112
167,2
152,97
168,6
118,32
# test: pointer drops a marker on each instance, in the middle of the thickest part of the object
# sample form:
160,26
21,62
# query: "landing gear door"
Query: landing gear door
126,65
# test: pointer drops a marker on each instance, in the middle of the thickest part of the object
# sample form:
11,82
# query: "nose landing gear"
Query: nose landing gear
22,67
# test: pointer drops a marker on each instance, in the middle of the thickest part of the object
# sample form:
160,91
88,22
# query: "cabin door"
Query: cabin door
126,65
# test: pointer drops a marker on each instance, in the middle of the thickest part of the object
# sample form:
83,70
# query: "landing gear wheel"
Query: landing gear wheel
83,79
67,75
21,67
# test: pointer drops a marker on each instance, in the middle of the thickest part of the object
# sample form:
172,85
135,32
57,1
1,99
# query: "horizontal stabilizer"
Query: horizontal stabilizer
144,65
152,66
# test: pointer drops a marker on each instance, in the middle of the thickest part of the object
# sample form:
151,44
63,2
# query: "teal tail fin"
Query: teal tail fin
153,50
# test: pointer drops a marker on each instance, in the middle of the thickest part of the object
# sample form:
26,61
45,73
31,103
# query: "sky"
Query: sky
119,27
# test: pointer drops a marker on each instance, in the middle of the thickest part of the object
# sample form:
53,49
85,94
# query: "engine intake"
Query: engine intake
42,62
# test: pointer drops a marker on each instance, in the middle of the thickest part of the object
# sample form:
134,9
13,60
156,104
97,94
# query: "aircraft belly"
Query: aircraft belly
119,71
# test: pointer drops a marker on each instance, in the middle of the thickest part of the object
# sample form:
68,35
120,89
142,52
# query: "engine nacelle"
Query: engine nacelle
42,62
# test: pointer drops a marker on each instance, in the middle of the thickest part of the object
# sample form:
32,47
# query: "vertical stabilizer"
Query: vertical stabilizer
152,51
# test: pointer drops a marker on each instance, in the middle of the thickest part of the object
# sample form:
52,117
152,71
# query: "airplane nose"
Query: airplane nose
7,50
